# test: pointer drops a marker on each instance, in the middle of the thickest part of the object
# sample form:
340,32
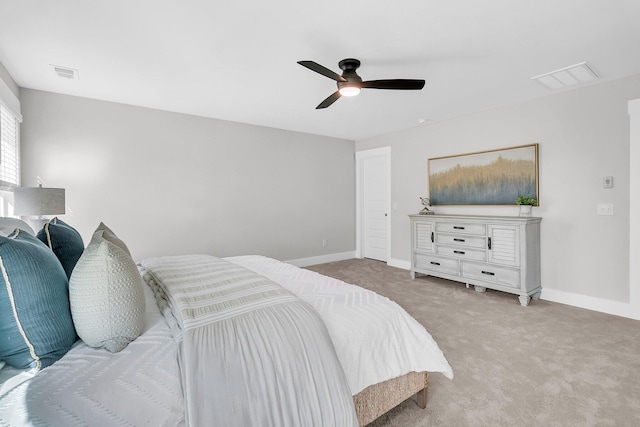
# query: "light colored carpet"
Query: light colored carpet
544,365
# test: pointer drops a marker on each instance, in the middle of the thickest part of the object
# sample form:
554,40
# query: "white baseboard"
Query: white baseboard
321,259
616,308
399,263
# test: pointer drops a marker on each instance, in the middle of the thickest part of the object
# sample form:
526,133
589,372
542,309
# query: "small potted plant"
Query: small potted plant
525,203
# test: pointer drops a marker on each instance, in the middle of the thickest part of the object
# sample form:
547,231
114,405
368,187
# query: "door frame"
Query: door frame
634,210
360,156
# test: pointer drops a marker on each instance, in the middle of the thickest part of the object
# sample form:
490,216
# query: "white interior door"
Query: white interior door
374,212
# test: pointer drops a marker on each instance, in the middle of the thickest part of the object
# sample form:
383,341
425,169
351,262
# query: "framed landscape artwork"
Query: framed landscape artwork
495,177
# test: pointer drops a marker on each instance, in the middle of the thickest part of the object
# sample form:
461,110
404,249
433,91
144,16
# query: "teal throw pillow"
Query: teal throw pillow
35,319
64,241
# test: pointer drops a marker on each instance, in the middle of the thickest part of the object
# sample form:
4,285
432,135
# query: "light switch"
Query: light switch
605,208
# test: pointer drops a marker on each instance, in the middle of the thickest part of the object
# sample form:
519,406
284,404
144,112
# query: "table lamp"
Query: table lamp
38,201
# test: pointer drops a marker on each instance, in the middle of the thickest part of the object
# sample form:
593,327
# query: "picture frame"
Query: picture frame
493,177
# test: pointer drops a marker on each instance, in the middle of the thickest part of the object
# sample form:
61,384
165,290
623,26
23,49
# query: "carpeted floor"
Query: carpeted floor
544,365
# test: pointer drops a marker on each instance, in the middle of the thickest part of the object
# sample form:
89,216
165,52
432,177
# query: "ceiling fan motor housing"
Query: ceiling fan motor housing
349,64
349,67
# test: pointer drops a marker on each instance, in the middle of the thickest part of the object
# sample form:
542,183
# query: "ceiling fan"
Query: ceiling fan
350,83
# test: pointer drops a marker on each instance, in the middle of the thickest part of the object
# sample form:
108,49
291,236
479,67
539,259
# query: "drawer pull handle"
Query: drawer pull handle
458,252
432,237
488,273
458,240
489,243
435,263
457,227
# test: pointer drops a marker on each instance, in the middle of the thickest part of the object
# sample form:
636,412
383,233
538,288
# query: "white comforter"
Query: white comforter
374,337
251,353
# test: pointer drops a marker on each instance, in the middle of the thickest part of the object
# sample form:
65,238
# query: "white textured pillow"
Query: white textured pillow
111,236
106,294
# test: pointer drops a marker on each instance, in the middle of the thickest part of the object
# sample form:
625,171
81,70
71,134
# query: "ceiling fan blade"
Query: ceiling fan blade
400,84
314,66
330,100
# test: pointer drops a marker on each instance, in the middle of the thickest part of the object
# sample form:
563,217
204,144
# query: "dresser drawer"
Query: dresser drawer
461,227
490,273
443,265
461,241
462,253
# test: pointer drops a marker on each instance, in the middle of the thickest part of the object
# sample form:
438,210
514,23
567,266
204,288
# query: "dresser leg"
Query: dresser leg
413,274
479,288
524,300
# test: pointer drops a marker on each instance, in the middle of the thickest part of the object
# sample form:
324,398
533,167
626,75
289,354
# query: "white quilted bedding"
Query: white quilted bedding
374,337
139,386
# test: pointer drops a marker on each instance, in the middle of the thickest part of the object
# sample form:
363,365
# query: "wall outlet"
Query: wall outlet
607,182
324,242
605,208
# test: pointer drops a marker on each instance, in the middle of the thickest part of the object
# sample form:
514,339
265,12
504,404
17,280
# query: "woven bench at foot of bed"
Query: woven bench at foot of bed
378,399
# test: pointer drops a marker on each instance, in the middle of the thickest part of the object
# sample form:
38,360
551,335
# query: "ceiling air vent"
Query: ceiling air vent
567,76
66,73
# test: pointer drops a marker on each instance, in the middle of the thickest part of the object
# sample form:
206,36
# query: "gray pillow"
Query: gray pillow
8,226
106,294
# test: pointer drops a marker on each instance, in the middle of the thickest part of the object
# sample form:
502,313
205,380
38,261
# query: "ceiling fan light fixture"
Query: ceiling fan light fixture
349,90
350,83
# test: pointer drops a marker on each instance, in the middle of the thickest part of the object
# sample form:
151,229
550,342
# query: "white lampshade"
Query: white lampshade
38,201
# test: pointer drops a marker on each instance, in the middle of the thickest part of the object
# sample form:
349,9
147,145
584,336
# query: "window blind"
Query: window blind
9,148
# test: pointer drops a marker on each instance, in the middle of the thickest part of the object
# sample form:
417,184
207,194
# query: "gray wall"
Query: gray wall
583,135
171,183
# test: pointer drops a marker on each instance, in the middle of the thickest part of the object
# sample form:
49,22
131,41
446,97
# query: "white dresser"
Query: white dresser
495,252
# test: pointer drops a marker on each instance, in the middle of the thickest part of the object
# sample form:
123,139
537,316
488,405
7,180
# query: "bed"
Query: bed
356,354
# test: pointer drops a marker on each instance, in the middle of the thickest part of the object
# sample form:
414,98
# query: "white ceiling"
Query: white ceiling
237,60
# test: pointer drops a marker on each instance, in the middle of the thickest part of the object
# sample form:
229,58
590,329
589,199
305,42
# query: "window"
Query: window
9,149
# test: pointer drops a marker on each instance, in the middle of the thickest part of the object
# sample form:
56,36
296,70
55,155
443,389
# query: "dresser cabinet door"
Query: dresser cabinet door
503,244
424,236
